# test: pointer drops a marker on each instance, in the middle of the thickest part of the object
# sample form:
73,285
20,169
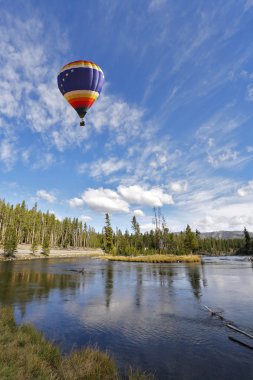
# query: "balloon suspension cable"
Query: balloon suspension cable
82,122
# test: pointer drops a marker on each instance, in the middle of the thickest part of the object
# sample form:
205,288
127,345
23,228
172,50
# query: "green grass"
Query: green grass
156,258
26,354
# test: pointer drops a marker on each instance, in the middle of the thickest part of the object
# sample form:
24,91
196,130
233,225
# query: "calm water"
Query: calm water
150,316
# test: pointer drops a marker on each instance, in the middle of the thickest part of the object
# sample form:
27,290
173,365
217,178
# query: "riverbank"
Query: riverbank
24,253
155,258
26,354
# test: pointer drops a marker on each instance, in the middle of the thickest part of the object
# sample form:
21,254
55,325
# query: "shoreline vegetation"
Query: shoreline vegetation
155,258
26,354
24,253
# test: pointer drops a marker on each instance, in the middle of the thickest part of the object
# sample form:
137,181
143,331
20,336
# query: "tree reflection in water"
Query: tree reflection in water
108,283
138,295
193,274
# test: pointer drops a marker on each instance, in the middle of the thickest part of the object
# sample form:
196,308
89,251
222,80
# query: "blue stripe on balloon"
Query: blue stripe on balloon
80,79
100,82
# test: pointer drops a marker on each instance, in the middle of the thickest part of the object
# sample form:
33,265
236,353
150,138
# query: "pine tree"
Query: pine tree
10,241
46,245
34,246
137,234
247,238
190,241
108,243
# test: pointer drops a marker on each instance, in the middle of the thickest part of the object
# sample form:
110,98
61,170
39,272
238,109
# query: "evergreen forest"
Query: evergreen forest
21,225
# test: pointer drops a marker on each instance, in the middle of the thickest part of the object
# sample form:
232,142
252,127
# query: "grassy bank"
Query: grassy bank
156,258
25,354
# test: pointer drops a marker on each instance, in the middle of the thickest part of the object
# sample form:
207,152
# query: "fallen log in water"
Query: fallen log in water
77,270
238,330
240,342
216,313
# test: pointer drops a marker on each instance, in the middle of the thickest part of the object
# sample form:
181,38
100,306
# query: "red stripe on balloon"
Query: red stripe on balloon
81,103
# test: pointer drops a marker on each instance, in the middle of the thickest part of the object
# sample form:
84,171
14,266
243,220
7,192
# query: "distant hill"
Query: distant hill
224,234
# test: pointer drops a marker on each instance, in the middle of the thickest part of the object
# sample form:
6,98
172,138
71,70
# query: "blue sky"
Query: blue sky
172,128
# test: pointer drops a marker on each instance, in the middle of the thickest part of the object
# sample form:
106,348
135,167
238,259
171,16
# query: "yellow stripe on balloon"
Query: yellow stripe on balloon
81,64
81,94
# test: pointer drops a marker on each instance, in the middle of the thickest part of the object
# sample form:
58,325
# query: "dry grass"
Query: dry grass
156,258
25,354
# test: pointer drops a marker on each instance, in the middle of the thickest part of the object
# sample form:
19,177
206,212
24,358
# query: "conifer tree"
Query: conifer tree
190,241
10,241
108,243
46,245
247,238
34,246
137,234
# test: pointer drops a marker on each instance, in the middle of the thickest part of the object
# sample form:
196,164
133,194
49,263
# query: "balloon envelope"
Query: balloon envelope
80,82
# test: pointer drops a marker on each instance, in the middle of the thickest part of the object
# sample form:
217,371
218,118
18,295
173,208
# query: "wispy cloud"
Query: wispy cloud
8,154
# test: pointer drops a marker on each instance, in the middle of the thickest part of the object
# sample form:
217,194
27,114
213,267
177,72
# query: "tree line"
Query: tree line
21,225
161,240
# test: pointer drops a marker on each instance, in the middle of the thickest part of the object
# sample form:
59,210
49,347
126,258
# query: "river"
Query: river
149,316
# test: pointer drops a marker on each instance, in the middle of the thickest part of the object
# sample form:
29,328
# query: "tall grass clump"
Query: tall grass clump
26,354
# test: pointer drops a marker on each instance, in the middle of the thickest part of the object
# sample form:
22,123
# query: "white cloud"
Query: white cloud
43,161
108,167
218,126
43,194
138,213
246,190
85,218
105,200
8,153
76,202
226,158
139,195
222,223
179,186
124,120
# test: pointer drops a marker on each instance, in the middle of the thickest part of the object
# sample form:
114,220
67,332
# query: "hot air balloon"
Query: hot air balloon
81,82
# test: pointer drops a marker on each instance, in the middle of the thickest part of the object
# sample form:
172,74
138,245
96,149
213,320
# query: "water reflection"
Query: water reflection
108,283
204,278
193,273
139,312
25,283
138,294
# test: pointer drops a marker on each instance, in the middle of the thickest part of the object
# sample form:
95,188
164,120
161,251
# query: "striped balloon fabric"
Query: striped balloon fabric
80,82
